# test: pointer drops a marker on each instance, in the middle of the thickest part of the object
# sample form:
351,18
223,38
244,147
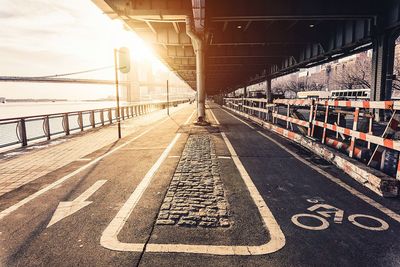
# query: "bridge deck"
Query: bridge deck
175,194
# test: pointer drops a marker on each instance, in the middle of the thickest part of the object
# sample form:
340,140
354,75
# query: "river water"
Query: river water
22,109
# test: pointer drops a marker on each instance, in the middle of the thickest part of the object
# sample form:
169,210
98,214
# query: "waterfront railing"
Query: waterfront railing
24,130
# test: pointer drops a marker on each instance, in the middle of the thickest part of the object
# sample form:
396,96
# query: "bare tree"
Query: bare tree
355,74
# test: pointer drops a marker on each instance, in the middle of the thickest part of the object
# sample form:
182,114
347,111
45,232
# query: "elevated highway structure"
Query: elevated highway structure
239,43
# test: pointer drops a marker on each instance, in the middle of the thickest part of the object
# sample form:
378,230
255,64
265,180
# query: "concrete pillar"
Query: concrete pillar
268,90
198,45
382,70
245,92
200,83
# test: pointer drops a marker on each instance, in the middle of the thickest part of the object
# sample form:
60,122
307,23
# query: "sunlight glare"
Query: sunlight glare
139,50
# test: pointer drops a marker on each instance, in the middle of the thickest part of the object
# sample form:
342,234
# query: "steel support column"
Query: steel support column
382,70
200,71
268,90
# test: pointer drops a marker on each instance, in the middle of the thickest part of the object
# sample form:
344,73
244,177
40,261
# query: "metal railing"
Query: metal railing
23,130
347,126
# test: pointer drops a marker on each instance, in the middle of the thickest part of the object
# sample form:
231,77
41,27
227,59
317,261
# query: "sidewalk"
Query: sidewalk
21,166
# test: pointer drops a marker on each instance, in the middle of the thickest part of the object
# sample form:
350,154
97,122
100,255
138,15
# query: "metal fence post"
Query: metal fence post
22,132
353,139
66,124
92,120
370,130
80,120
310,118
314,118
287,116
47,127
102,117
325,122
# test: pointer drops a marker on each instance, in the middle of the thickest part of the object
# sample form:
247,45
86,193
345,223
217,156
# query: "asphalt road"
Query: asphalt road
102,212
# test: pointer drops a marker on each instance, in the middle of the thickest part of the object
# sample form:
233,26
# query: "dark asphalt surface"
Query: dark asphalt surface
287,185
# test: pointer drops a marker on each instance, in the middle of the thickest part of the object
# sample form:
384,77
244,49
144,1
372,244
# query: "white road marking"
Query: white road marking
19,204
324,223
239,119
143,148
224,157
336,180
338,218
84,159
383,225
67,208
174,156
212,114
109,239
190,117
277,240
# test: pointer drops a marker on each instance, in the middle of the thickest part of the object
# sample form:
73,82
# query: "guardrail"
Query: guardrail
347,126
23,130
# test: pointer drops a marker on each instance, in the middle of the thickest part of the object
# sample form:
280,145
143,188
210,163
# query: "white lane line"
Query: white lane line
212,114
109,239
14,207
143,148
249,125
190,117
84,159
336,180
277,237
224,157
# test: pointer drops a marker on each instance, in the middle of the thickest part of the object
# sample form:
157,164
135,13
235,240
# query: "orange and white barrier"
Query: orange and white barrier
343,147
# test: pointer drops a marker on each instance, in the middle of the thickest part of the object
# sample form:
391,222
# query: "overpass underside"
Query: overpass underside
219,46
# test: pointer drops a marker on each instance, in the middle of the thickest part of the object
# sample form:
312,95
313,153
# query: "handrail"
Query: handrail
27,129
89,110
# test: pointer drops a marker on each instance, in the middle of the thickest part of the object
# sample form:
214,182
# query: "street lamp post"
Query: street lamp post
167,98
122,63
117,92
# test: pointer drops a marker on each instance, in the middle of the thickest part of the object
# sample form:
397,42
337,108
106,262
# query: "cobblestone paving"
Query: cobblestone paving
196,195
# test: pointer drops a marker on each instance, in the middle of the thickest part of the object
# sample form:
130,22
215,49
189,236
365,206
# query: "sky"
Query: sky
46,37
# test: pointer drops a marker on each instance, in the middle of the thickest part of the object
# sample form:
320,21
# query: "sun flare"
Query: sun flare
139,50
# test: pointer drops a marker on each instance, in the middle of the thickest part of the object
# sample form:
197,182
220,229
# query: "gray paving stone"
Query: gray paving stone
196,196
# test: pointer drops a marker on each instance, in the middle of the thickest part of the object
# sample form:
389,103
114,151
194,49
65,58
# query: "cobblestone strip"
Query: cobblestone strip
196,194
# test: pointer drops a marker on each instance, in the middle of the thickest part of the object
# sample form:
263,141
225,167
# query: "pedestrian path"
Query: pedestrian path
21,166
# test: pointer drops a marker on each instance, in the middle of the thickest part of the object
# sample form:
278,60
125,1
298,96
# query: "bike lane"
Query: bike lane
62,226
338,228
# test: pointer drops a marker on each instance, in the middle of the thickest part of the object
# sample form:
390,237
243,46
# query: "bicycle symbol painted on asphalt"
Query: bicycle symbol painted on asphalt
325,211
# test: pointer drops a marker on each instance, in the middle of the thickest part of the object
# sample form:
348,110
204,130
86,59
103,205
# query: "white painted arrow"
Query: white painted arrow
67,208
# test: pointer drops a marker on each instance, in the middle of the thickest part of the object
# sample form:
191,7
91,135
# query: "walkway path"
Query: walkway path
22,166
176,194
